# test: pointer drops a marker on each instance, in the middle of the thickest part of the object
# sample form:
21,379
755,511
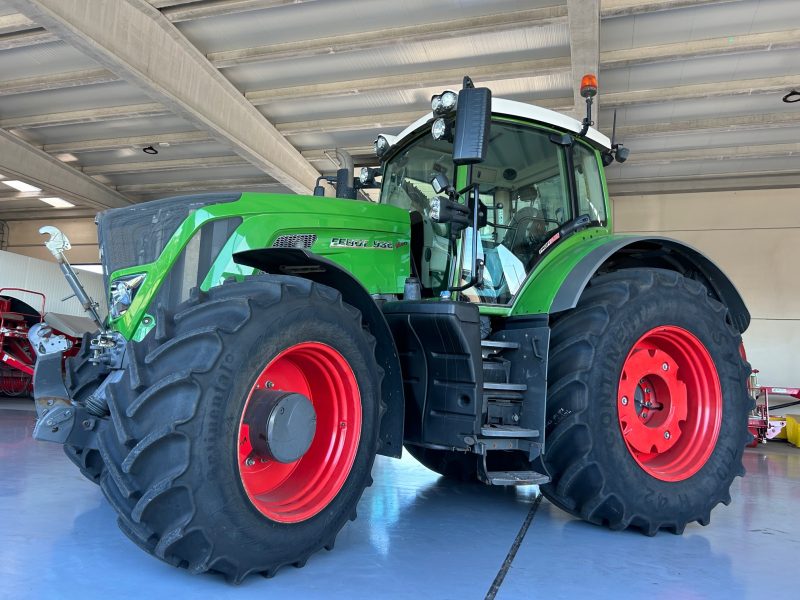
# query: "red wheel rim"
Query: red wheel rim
669,403
294,492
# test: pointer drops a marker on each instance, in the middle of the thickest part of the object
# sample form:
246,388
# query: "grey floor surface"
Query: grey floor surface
417,536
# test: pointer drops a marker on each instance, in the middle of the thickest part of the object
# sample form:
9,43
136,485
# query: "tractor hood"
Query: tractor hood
155,253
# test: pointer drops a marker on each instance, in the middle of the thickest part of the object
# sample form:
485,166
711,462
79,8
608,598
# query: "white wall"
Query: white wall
754,236
46,277
24,238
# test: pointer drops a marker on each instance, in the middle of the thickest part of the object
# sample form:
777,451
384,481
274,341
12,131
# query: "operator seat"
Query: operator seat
516,237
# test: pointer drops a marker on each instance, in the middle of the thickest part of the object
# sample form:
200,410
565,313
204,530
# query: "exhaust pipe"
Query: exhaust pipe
344,175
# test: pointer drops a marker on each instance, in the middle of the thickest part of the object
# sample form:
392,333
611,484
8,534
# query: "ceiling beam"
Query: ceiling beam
328,156
388,120
46,213
166,3
19,159
13,195
90,115
366,40
722,153
22,39
15,22
584,45
139,141
179,11
137,43
157,166
197,186
756,42
766,85
715,125
711,182
358,123
625,8
55,81
441,78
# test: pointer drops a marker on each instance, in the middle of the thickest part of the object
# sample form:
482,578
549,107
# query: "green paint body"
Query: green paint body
381,269
265,217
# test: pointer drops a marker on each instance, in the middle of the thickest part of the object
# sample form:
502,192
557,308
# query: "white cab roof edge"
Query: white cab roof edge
512,108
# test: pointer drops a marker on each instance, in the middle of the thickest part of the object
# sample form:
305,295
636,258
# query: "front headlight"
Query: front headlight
381,146
444,103
122,292
441,130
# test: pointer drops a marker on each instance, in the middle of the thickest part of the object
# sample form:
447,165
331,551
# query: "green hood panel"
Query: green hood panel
369,240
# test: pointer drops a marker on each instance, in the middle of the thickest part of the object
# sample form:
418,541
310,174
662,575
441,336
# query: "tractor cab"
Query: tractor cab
532,182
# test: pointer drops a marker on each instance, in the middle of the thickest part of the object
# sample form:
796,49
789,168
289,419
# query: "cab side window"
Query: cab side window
588,184
523,183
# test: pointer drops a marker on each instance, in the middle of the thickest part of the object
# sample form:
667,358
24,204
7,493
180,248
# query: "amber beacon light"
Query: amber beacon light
589,86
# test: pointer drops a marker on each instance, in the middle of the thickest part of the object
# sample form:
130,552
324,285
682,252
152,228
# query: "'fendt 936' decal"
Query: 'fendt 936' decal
351,243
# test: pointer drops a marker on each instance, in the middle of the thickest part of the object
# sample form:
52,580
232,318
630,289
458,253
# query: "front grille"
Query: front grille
297,240
137,234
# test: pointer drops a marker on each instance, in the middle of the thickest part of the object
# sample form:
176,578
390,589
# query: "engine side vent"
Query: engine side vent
297,240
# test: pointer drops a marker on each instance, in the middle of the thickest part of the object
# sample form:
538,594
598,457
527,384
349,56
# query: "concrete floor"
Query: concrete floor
417,536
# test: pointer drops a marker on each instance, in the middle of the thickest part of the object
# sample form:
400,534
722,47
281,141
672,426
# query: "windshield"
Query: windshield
406,184
407,177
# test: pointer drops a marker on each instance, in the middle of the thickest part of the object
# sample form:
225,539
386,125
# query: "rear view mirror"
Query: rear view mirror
473,117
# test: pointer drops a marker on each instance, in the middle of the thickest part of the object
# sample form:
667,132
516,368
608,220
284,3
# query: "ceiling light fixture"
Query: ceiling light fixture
57,202
792,97
21,186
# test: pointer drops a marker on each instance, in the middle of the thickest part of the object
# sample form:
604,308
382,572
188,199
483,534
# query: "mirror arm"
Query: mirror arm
476,207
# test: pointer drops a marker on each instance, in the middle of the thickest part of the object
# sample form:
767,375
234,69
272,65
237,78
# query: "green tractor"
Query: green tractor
260,350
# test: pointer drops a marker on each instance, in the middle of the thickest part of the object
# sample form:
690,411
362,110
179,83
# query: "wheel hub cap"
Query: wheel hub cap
281,425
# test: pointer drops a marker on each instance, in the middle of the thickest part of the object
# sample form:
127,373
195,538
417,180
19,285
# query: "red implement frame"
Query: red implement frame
759,423
17,357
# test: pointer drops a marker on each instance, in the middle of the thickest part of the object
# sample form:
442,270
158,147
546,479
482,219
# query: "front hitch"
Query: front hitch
54,409
60,419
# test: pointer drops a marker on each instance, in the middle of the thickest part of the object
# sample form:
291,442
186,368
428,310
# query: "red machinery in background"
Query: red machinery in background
761,426
17,357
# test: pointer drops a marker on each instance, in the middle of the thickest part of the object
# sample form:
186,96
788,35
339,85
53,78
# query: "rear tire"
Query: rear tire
174,470
601,475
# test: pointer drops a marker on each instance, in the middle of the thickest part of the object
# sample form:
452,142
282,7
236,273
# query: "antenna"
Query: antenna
614,130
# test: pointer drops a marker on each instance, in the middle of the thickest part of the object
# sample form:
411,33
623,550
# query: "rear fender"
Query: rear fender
300,263
656,252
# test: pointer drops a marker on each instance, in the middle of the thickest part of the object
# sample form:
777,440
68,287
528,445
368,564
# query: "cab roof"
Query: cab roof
511,108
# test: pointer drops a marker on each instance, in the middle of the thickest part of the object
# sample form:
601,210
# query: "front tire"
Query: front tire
177,470
647,403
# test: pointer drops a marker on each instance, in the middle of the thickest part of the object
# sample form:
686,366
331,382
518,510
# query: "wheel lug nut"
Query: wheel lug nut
665,367
666,435
250,461
624,401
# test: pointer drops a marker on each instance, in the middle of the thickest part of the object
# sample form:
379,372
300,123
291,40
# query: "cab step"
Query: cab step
508,431
516,478
504,387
